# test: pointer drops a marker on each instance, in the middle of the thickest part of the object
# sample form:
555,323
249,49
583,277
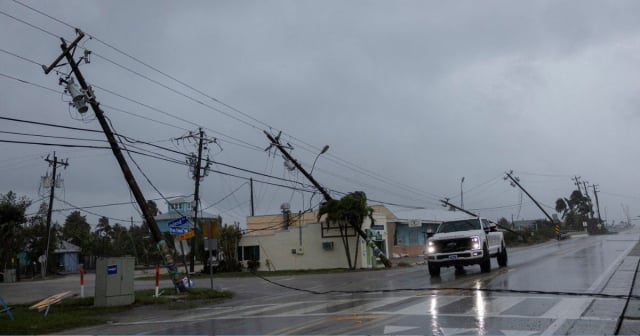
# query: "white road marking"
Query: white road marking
396,329
455,331
553,328
571,308
601,280
518,332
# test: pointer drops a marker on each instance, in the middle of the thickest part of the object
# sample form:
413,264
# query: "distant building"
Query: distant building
409,229
530,224
293,241
67,257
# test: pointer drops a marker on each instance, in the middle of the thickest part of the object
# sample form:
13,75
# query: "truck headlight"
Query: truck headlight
475,243
431,248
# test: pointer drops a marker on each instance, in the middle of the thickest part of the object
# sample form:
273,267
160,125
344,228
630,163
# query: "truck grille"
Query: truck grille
452,245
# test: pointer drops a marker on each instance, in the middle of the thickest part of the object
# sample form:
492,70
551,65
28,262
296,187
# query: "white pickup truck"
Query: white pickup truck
465,242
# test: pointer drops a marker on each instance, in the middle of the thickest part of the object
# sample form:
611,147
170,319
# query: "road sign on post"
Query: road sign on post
186,235
177,230
211,229
177,226
179,221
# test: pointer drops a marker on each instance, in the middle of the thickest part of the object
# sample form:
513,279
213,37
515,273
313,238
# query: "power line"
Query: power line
212,170
20,57
52,144
30,83
130,140
50,125
238,142
45,14
92,213
173,116
99,205
225,197
335,159
29,24
50,136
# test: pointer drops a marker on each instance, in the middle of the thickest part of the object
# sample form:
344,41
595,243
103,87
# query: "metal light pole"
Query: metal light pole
461,193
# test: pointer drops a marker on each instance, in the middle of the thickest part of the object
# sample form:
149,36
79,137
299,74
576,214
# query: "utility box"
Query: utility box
10,275
114,281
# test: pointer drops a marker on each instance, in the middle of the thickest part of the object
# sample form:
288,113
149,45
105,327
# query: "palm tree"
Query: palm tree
350,210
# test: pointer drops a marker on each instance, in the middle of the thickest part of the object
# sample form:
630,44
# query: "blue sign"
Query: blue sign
112,269
377,227
179,221
176,230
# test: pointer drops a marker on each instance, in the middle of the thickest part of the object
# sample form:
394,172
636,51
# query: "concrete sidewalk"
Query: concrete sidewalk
631,319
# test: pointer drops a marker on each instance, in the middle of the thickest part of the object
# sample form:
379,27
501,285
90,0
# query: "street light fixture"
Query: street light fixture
324,150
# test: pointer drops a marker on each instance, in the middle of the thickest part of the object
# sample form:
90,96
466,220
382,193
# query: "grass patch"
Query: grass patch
79,312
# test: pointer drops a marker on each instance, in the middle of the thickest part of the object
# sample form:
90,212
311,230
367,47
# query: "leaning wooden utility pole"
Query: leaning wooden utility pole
87,96
445,202
377,252
595,193
515,181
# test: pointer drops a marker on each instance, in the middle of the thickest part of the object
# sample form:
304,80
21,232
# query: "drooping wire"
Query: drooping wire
332,157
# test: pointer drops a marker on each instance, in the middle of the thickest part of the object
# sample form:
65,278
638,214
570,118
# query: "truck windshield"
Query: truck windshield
460,225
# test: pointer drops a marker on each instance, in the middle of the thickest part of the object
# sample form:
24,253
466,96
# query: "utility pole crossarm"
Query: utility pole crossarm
65,51
313,181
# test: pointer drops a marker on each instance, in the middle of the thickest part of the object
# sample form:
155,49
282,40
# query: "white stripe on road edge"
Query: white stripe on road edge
600,281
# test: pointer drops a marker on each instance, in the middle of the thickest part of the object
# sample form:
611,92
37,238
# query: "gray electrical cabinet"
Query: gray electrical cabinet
114,281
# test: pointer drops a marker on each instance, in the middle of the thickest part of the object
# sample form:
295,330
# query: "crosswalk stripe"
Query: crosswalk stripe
569,308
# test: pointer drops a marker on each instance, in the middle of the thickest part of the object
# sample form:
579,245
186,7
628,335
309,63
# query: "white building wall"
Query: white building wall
277,249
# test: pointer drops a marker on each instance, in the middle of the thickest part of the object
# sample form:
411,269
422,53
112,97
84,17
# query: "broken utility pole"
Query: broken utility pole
275,141
86,95
515,182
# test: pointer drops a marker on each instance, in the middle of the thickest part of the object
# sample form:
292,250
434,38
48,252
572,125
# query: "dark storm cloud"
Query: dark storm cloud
422,93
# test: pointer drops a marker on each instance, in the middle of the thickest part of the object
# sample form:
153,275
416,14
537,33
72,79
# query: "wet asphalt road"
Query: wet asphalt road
535,294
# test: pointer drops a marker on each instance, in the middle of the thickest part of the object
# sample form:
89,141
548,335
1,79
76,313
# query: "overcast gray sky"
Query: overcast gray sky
411,96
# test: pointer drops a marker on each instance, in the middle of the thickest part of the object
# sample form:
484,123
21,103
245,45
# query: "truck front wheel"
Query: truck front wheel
434,269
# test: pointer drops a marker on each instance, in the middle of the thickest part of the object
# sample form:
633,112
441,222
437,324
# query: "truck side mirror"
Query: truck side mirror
430,233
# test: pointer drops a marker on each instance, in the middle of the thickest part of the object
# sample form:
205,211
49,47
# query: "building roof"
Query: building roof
179,200
436,215
190,214
66,247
